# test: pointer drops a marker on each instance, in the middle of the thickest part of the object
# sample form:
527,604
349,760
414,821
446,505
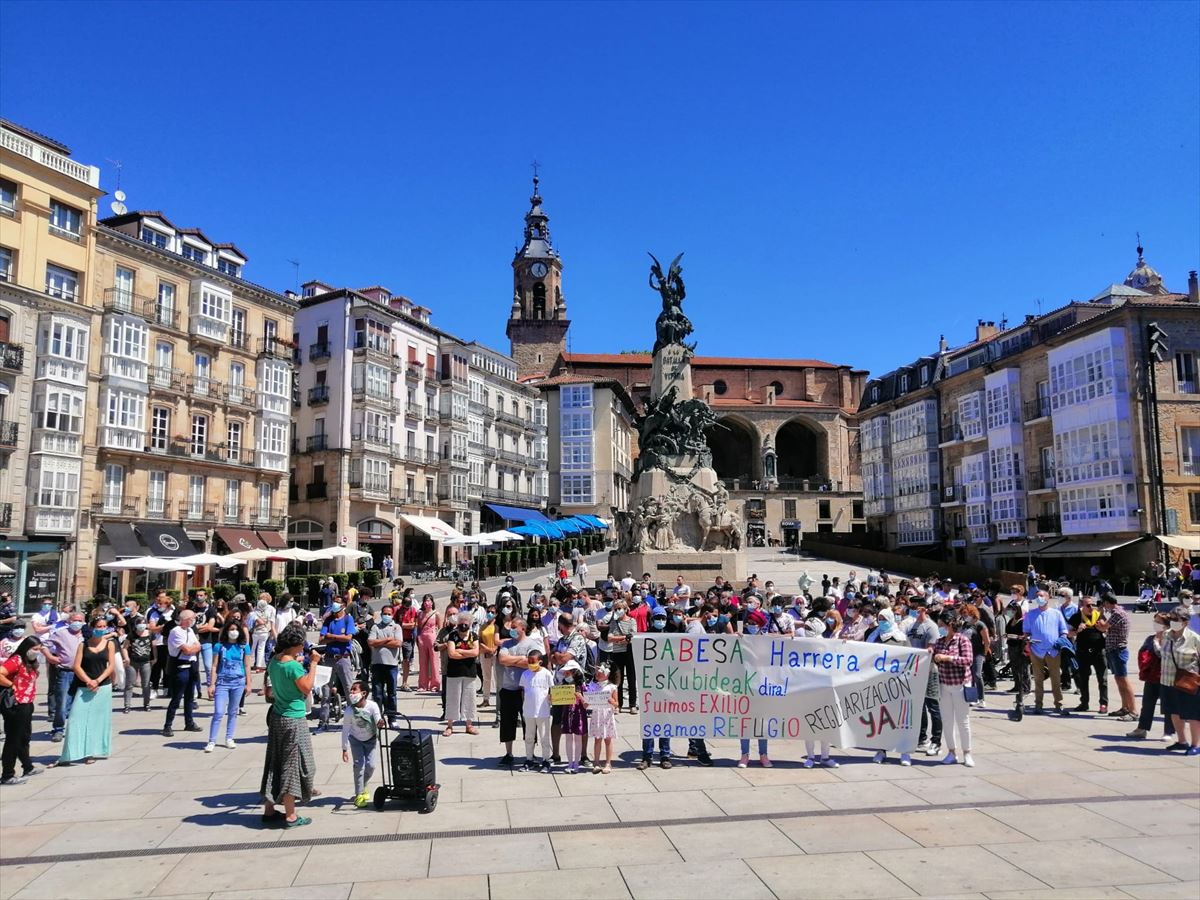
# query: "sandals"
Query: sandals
471,729
447,731
297,822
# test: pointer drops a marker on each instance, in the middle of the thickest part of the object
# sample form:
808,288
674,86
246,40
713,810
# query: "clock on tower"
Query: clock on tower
537,323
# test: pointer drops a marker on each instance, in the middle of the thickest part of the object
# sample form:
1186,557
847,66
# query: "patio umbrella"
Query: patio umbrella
503,535
147,564
258,554
476,540
347,552
211,559
6,569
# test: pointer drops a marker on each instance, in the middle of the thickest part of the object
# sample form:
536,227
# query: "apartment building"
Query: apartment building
591,453
1038,442
186,445
400,438
49,314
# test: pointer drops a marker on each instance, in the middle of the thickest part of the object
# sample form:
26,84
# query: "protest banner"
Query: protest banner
848,693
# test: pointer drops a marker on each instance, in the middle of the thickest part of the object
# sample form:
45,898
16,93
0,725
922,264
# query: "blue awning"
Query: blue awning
517,513
569,526
545,529
596,521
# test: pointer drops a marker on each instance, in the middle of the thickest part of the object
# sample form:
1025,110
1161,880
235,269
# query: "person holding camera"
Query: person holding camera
290,767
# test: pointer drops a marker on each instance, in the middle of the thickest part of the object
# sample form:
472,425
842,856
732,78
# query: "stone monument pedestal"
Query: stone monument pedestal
698,569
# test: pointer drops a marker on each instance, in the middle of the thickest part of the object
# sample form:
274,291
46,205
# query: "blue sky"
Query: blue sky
848,181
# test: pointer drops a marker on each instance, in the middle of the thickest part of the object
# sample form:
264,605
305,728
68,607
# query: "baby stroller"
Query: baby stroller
409,767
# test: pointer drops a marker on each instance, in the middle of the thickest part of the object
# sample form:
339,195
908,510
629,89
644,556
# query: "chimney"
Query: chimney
985,330
1193,288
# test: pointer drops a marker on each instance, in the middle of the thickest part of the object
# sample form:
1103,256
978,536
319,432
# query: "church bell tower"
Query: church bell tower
537,323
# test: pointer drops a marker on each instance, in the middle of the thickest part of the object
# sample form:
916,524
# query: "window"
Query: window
199,435
229,267
164,304
202,379
194,253
856,509
59,485
65,340
62,283
156,495
778,386
577,455
65,221
237,327
195,496
8,197
270,330
576,397
237,382
275,380
160,428
274,437
233,498
576,489
1194,507
123,288
63,411
1185,374
999,406
233,442
265,493
6,264
1082,378
113,496
126,409
1189,451
154,238
127,338
576,425
823,509
924,375
720,387
904,383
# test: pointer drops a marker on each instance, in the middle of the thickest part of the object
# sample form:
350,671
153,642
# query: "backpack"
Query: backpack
593,658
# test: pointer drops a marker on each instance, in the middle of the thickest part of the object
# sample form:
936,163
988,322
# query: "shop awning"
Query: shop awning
569,526
1020,548
239,539
435,528
166,541
517,513
1181,541
1089,546
594,521
124,542
546,529
272,540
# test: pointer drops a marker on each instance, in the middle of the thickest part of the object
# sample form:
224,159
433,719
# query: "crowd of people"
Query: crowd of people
496,662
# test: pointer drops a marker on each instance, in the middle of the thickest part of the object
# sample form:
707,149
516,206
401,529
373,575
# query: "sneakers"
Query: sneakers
706,761
209,747
968,761
949,759
1192,751
1137,734
12,779
923,747
765,762
829,762
1120,712
905,759
744,761
1178,745
665,763
643,763
168,732
933,750
879,757
506,759
808,763
229,743
361,800
1104,709
192,727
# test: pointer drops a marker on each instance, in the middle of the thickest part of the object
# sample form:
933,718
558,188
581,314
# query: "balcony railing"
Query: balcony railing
492,493
362,347
233,515
954,493
275,348
319,350
1049,523
158,508
117,505
267,517
239,340
203,386
387,401
1042,480
6,516
521,459
10,433
318,490
125,301
199,512
240,395
318,395
420,457
316,443
412,372
12,357
1037,409
164,379
511,419
414,413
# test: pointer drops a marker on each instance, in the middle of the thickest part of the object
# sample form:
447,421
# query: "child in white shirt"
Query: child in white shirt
536,682
360,737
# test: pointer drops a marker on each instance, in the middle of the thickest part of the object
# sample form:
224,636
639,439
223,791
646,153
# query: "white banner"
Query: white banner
847,693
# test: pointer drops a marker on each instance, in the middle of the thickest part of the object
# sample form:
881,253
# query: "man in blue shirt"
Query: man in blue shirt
336,634
1045,626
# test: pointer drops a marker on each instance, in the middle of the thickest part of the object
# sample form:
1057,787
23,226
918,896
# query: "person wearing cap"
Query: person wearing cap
664,620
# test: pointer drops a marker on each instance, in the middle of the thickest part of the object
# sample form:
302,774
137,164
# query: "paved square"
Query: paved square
1055,808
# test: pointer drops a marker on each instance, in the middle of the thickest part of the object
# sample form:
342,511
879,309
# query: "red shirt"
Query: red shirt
408,621
23,677
641,615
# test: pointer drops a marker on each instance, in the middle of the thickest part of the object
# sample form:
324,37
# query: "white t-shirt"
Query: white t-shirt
283,618
627,583
682,589
537,692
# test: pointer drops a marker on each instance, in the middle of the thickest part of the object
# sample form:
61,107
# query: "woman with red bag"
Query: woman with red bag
1149,661
1180,677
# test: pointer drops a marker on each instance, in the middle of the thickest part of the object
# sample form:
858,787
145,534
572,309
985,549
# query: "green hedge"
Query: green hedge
341,580
251,589
275,587
372,578
174,594
140,597
297,586
223,590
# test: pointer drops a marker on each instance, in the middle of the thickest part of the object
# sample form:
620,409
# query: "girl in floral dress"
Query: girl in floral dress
603,726
574,717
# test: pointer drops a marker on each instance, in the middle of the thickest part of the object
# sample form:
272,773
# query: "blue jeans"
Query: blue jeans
664,748
383,687
206,657
762,746
61,698
225,704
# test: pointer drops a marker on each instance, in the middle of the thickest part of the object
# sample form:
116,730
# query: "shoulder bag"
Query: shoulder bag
1188,682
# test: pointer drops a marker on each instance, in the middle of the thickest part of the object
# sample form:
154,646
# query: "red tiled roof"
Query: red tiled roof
644,359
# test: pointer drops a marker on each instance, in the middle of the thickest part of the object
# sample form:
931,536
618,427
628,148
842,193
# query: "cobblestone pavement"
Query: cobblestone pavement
1054,808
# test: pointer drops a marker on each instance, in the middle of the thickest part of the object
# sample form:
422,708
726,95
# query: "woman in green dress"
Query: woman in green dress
289,767
89,728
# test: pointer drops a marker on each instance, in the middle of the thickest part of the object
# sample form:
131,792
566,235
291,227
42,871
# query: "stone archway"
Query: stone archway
802,451
736,450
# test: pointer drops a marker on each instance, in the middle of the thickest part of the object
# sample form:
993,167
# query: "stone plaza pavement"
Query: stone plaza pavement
1054,808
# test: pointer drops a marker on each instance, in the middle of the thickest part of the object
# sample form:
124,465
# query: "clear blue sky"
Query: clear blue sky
848,180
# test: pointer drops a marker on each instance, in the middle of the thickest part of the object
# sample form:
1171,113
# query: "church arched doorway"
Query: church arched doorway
802,453
734,446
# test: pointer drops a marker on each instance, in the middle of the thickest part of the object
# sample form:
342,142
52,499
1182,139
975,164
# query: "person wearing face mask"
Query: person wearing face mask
208,629
360,740
337,634
183,648
1045,627
162,619
569,647
618,628
63,644
514,659
139,652
385,639
228,680
1181,680
854,625
953,656
46,619
489,641
462,652
1150,673
1114,623
406,616
1089,651
428,623
16,634
89,726
19,674
779,620
667,620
